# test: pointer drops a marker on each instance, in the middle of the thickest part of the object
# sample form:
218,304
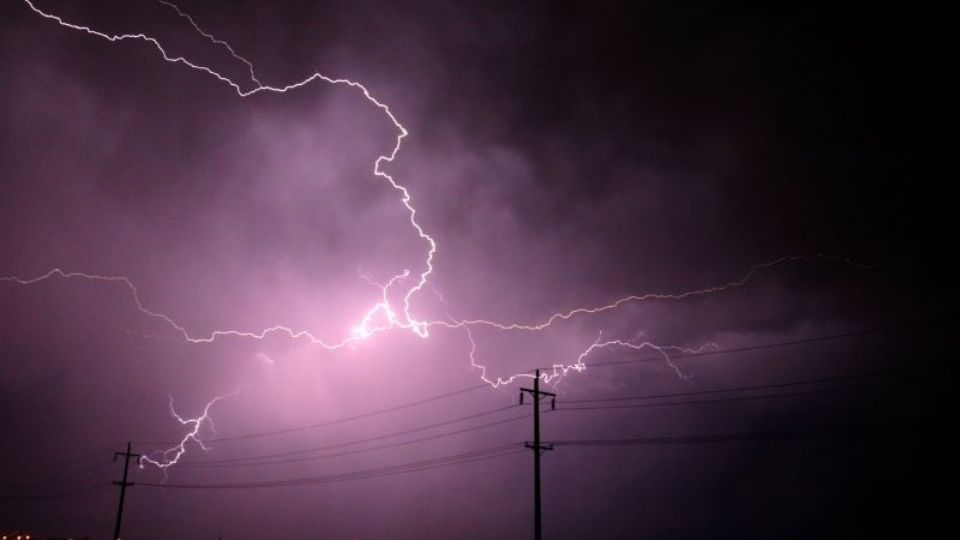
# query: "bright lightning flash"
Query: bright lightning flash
164,459
383,315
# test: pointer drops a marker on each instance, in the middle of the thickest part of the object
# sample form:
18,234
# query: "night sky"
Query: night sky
561,156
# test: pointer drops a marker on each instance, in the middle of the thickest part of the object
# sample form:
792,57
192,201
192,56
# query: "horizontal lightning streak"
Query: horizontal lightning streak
563,316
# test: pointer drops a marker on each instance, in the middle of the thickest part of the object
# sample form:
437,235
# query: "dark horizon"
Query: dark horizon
720,232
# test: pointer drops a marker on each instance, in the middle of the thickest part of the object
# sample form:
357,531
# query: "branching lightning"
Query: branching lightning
164,459
383,315
567,315
211,38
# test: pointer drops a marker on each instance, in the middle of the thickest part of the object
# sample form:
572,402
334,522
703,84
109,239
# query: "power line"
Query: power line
220,464
78,476
100,473
333,422
364,440
351,418
744,436
101,452
278,458
255,460
777,344
780,395
415,466
788,384
726,399
509,449
407,405
86,490
251,461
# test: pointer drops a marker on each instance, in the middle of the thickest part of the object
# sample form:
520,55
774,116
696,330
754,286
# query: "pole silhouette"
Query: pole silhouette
538,449
123,486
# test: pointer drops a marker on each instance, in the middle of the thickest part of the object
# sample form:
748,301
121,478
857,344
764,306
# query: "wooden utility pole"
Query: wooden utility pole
123,486
538,449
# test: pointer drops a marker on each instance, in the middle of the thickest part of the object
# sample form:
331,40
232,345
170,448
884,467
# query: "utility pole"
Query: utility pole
123,486
537,448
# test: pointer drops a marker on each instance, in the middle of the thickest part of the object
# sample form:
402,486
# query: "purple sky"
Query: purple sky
560,158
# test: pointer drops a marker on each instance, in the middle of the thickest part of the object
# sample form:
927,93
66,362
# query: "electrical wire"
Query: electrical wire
415,466
271,459
350,418
731,399
367,439
745,436
222,464
788,384
92,489
778,344
446,395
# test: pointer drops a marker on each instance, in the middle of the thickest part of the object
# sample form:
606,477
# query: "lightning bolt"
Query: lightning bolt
567,315
382,316
557,371
212,39
364,329
164,459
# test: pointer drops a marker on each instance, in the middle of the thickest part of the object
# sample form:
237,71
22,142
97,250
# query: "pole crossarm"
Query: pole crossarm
123,485
537,447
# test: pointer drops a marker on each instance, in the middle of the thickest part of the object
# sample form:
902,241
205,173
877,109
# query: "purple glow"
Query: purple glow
238,239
